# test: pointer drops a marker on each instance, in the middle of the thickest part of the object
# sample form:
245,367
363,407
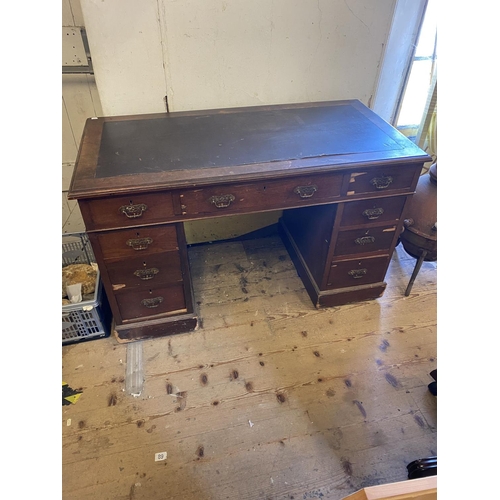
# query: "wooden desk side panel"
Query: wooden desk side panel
311,228
108,286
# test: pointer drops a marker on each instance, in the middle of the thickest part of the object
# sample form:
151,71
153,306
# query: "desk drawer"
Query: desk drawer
151,301
123,211
262,195
357,241
144,241
357,213
147,271
382,181
357,272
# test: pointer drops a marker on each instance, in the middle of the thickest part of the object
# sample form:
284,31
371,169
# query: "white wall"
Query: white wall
225,53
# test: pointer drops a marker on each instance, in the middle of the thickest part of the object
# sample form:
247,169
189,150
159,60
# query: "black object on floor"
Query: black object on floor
433,387
423,467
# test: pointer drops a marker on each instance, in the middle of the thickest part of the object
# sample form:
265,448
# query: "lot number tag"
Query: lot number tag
160,456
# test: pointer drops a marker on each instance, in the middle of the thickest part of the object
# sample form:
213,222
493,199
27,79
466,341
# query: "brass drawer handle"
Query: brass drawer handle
146,274
373,213
150,303
222,201
133,211
305,191
139,243
364,240
357,273
382,182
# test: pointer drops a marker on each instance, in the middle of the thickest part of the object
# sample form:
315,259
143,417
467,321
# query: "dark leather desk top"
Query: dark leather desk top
162,151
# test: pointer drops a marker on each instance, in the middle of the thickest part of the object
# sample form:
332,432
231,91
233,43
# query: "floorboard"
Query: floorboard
269,399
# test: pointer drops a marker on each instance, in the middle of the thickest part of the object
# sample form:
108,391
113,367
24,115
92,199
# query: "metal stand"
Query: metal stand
418,265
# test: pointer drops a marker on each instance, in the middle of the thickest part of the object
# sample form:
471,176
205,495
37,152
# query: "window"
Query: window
421,73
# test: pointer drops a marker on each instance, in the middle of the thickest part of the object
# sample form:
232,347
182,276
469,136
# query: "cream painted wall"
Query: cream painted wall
239,53
224,53
71,12
206,54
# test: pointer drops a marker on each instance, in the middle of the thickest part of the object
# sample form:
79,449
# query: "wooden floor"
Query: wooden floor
269,399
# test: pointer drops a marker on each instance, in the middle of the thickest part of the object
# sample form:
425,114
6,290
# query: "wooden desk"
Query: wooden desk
341,175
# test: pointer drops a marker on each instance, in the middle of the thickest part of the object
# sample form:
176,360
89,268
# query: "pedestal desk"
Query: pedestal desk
341,175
